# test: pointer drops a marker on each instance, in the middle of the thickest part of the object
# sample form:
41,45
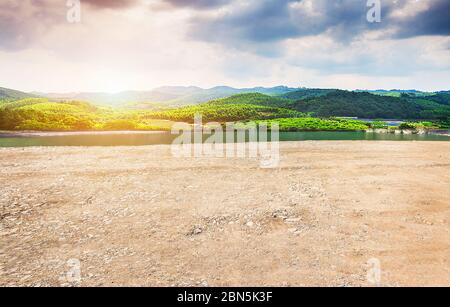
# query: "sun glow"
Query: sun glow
111,82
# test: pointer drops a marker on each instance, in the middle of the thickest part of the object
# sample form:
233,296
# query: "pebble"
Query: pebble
197,231
293,220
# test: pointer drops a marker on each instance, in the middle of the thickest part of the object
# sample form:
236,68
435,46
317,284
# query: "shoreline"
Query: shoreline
31,133
73,133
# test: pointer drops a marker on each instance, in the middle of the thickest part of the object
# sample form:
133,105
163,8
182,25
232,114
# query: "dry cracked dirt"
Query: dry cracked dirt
136,216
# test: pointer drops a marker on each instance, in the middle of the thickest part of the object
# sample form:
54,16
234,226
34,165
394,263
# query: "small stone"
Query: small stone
197,231
250,224
293,220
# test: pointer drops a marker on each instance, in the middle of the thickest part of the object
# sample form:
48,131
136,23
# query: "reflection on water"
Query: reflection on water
165,138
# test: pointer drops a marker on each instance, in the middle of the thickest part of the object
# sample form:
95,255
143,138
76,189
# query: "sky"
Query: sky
119,45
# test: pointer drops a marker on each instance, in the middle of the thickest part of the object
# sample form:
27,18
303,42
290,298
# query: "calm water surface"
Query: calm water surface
161,138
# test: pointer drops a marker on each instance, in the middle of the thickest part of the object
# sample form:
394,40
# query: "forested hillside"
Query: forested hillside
44,114
366,105
253,98
440,98
306,93
225,112
397,93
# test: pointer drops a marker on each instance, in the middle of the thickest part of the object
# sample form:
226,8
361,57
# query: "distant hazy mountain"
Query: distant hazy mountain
173,95
13,94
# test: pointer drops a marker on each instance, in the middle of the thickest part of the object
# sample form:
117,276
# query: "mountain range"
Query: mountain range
171,95
176,96
82,111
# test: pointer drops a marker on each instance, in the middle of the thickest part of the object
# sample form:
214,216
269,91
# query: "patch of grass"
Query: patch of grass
379,125
318,124
418,125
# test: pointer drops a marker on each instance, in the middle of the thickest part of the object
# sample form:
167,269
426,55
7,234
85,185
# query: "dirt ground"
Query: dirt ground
330,215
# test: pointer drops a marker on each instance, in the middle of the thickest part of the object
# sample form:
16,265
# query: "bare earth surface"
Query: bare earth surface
138,216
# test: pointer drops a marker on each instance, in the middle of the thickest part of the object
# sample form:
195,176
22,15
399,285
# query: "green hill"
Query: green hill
240,107
41,114
252,98
440,98
366,105
8,94
225,112
206,95
397,93
306,93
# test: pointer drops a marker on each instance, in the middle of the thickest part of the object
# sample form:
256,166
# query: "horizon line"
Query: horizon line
37,92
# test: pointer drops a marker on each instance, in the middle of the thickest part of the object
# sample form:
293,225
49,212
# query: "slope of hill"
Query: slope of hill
178,96
366,105
44,115
398,93
9,94
41,114
306,93
241,107
440,98
254,99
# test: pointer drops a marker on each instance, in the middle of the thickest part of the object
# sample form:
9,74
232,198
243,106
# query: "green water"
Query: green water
167,138
357,136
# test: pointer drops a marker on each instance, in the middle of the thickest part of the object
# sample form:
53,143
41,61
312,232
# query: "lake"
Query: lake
161,138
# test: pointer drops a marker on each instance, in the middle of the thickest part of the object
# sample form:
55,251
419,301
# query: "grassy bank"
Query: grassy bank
317,124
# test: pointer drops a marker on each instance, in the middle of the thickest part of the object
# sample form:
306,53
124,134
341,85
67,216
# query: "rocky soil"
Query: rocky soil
136,216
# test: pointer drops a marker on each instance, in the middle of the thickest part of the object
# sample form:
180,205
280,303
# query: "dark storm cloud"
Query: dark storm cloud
434,21
266,21
263,21
258,25
269,21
